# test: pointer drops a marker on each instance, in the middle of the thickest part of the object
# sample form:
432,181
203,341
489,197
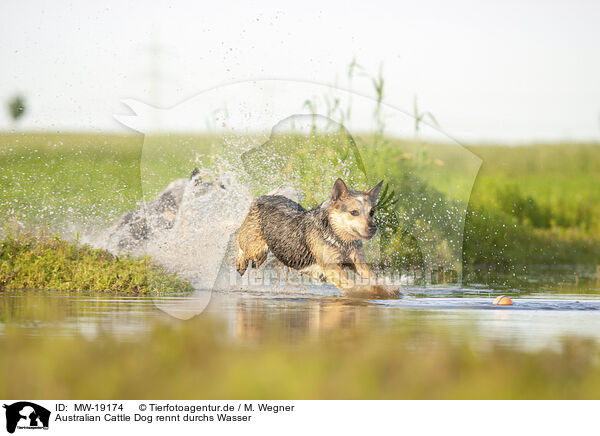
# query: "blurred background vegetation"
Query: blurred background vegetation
531,204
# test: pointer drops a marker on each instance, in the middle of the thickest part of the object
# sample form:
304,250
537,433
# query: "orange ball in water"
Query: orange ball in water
502,300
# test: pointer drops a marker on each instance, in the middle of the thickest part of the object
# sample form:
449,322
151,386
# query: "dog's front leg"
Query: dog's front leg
372,289
358,258
329,261
335,274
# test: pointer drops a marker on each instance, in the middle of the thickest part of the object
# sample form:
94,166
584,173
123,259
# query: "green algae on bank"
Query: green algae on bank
42,261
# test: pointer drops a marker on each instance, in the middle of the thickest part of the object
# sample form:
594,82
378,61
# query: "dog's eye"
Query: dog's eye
372,212
354,212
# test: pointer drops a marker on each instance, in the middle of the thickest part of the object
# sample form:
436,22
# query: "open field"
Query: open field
537,204
541,203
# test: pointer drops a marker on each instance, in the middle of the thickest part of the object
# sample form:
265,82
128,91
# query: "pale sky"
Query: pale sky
497,71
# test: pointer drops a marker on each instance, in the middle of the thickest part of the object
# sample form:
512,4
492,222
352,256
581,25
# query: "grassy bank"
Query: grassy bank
193,360
41,261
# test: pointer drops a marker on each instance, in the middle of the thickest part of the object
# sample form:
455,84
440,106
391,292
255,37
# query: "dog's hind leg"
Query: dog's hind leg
256,251
241,263
251,244
258,261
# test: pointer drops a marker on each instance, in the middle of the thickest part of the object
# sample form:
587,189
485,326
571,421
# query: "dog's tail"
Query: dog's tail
195,172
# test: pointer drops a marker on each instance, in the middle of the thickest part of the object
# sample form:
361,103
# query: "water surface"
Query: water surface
549,305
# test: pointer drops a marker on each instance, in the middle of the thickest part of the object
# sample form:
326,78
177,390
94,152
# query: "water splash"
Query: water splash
255,147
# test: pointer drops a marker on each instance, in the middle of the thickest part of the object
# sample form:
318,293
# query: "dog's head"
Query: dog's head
351,213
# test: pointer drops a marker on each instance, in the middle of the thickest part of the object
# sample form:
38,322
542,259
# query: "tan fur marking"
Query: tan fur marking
347,227
329,260
358,258
252,246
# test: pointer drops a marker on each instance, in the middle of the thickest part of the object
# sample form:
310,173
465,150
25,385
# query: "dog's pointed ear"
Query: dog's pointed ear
339,189
374,191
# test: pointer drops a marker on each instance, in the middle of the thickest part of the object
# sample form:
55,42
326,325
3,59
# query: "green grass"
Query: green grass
40,261
553,185
193,360
60,180
535,204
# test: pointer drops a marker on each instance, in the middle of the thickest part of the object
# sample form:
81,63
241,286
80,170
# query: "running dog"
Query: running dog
320,242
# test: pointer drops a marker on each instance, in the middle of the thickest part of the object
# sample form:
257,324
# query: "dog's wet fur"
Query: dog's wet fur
320,242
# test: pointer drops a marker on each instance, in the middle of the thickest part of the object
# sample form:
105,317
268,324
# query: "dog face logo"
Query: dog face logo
26,415
353,212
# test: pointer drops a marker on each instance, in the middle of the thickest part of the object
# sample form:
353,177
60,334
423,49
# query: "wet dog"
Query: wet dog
320,242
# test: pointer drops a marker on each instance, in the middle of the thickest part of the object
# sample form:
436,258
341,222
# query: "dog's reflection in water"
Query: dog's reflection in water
256,323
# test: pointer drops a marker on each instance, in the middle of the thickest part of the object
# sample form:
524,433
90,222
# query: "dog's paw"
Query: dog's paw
373,291
382,292
241,265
